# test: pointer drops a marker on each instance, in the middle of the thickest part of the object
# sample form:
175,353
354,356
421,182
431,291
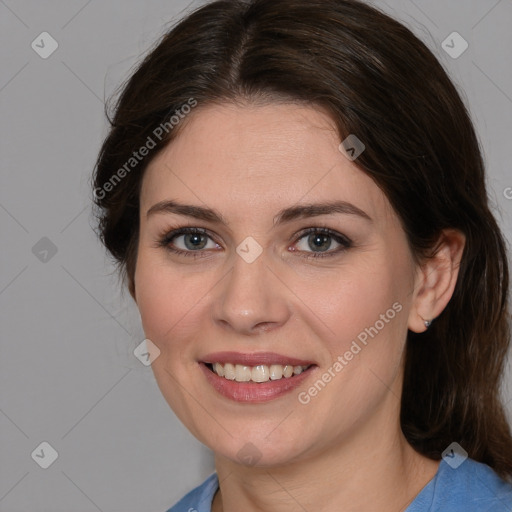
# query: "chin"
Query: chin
254,449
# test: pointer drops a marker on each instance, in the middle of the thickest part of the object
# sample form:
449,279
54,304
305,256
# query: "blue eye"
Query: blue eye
322,238
195,242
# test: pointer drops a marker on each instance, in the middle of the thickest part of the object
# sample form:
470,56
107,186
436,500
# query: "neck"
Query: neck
369,472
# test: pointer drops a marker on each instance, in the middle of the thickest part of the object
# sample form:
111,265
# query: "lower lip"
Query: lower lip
254,392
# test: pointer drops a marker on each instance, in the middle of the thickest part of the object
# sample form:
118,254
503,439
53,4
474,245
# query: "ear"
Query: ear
436,279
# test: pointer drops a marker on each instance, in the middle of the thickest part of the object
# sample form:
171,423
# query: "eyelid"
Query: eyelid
323,230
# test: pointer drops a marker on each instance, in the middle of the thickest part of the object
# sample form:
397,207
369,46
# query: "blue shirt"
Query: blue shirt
472,487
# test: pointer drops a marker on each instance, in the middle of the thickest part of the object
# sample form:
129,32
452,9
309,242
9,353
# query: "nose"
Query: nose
251,299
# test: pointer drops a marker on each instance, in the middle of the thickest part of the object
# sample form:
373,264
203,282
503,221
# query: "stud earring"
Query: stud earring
427,323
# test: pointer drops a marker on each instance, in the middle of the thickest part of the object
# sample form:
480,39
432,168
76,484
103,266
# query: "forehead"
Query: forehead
258,158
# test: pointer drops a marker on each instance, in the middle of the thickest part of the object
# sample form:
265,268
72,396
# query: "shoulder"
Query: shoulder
198,499
471,487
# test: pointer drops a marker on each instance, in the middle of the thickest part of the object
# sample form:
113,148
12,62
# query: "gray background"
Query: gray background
68,373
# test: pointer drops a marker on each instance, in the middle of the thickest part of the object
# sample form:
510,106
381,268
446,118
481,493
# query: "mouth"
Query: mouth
254,378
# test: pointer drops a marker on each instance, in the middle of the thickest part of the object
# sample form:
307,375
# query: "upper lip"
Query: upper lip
254,359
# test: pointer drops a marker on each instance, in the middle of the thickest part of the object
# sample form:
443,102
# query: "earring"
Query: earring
427,323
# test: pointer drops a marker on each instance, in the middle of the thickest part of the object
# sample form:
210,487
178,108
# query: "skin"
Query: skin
344,450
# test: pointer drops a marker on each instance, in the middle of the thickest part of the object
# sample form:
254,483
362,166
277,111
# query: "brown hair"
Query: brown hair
378,81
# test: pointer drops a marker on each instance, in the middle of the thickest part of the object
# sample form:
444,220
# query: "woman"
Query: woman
296,197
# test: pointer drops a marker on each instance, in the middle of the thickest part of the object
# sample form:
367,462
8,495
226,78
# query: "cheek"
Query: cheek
167,300
350,303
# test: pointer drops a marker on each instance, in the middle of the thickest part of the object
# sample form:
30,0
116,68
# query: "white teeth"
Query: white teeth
287,371
229,371
276,371
259,373
219,370
242,373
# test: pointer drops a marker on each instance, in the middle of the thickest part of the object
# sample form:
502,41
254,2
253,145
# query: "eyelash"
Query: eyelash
166,238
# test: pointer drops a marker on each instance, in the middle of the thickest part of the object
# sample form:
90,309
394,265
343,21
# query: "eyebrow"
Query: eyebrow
289,214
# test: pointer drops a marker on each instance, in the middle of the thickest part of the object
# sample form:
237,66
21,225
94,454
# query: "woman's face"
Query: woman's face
275,279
